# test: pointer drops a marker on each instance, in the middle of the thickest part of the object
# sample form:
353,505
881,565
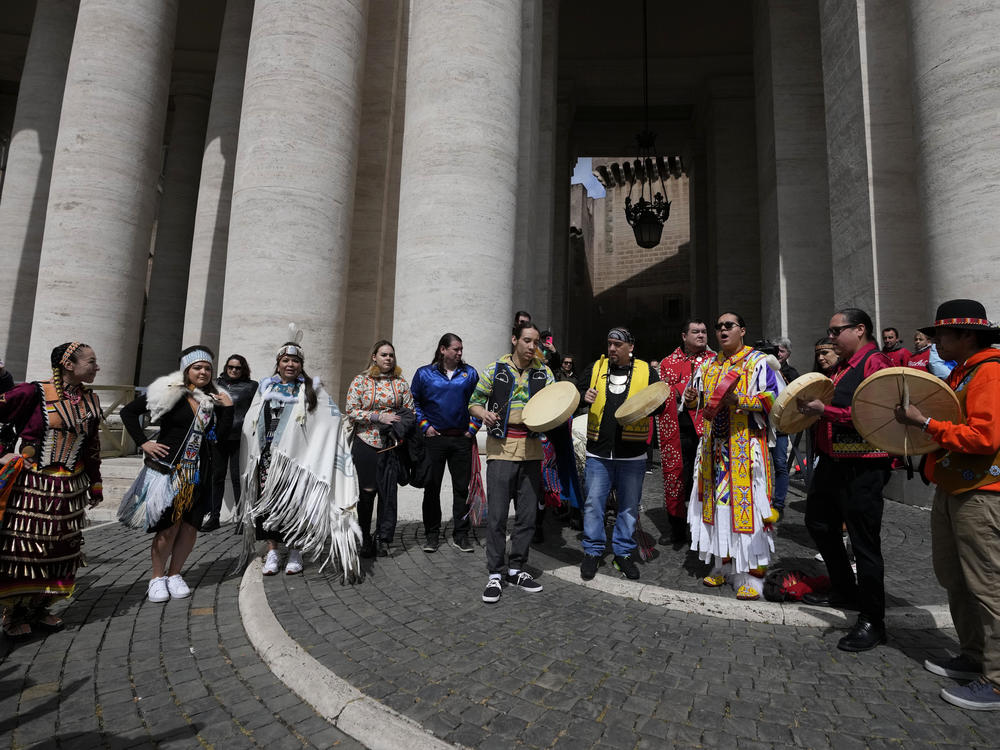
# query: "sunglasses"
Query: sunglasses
234,367
726,325
834,331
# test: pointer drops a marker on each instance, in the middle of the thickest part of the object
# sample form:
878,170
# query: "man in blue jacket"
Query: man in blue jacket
441,392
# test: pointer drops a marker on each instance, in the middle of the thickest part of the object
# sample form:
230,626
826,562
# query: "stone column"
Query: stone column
207,277
29,169
956,97
733,230
294,183
455,247
168,280
103,190
373,239
796,293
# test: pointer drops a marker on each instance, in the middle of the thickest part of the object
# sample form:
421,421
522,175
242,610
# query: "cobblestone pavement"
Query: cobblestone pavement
126,673
567,667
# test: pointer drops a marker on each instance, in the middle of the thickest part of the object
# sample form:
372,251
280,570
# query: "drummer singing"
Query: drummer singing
616,455
847,487
513,458
966,511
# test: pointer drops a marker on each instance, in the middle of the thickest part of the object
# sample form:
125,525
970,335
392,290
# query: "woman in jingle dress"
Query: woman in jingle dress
40,530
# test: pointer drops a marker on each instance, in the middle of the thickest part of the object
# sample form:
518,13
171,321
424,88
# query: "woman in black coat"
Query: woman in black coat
174,489
235,380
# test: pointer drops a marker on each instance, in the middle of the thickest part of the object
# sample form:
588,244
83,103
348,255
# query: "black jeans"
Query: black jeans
370,465
849,491
522,481
456,452
227,460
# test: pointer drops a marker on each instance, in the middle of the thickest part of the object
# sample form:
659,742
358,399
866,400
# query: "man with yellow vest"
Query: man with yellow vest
965,546
616,455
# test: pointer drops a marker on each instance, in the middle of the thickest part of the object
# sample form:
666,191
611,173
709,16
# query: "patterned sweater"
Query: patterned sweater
368,396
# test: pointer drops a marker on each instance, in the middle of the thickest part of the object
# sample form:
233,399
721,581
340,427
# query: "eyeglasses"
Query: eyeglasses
834,331
726,325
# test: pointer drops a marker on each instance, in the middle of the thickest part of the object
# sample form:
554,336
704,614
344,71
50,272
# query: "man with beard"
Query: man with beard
616,455
680,428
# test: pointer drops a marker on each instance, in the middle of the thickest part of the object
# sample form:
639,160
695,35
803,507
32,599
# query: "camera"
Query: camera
766,346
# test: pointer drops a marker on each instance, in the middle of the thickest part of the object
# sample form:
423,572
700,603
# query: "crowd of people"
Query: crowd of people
314,481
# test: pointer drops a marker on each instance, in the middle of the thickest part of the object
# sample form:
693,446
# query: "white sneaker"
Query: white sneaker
271,562
158,591
177,588
294,565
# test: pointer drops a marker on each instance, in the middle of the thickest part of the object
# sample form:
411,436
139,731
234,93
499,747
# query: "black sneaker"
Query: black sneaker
462,544
493,590
524,581
588,568
625,565
431,543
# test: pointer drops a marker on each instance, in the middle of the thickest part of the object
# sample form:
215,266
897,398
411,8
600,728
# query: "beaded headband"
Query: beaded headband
198,355
291,351
67,356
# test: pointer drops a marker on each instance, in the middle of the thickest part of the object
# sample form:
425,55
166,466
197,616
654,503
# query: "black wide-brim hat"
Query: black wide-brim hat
964,314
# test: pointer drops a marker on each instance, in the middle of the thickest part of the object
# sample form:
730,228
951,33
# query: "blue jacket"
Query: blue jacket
442,403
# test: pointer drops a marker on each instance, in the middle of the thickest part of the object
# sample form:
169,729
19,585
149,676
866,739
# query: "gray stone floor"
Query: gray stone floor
567,667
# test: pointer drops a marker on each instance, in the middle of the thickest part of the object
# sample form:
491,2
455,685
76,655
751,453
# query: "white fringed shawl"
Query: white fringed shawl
310,495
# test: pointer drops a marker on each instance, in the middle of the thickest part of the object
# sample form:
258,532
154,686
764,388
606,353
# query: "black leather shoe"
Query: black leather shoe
367,549
864,636
210,525
381,548
829,599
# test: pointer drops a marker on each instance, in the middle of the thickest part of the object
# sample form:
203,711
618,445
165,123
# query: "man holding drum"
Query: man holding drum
966,511
513,458
616,454
847,487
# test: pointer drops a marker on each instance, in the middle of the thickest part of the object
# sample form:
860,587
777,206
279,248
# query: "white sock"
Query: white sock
511,572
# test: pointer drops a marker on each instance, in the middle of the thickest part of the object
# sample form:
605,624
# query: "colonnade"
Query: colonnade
369,168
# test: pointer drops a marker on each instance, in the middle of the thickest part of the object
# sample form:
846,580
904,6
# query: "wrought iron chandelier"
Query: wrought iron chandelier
646,216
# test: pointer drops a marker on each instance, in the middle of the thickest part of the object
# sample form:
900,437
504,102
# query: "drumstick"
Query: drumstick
906,405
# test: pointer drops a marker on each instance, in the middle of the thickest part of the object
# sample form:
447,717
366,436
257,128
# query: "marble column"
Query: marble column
103,191
455,247
168,280
373,238
29,169
293,188
207,276
733,231
796,293
956,97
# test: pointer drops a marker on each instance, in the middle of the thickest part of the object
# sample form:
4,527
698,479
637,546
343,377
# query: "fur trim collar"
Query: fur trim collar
164,393
375,373
266,385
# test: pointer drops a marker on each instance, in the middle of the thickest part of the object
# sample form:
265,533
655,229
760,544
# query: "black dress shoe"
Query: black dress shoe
210,525
864,636
829,599
367,549
381,548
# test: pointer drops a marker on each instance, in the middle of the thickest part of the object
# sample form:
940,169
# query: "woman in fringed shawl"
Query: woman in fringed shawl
60,474
730,512
298,479
374,399
174,489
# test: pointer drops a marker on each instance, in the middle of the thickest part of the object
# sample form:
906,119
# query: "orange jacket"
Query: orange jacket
980,434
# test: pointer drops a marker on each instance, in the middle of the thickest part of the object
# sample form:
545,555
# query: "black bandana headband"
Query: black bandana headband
621,334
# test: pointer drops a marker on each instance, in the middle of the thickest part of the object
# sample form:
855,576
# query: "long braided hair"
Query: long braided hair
62,355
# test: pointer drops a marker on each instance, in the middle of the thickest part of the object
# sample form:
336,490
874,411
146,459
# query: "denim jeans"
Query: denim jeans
603,475
779,454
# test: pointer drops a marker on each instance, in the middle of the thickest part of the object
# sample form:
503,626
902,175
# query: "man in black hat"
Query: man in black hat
616,454
966,512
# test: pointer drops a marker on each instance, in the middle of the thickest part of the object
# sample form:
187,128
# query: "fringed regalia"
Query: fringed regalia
177,488
308,491
730,499
40,532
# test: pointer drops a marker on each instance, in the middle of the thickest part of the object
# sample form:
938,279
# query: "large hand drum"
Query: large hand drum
551,406
725,386
875,401
643,403
785,415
